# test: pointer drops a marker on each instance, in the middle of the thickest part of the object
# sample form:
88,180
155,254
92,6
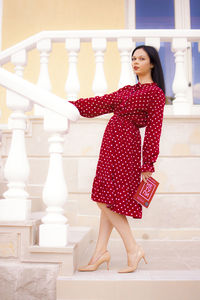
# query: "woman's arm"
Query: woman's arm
152,133
99,105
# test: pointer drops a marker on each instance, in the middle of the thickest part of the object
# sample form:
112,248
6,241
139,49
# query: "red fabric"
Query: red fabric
119,167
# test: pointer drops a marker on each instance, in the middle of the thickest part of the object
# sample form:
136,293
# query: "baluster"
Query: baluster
72,85
54,230
154,42
125,46
44,47
1,173
181,104
16,205
99,85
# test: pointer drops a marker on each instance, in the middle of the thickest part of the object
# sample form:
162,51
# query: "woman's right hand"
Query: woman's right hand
146,175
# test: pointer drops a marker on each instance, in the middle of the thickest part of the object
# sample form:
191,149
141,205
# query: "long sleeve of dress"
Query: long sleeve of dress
150,150
99,105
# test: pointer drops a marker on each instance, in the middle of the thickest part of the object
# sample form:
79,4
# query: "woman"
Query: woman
119,167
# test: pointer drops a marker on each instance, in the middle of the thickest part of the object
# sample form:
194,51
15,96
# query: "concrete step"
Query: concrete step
172,272
28,281
141,286
174,202
68,257
19,243
80,171
180,137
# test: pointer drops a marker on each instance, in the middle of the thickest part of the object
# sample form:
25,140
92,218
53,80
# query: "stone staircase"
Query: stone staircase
172,272
28,271
176,170
19,242
169,230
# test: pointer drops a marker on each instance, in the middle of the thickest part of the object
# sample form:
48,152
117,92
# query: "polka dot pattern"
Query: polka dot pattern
119,167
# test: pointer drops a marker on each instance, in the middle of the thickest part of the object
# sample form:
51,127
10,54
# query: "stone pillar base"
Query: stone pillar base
181,108
53,235
15,209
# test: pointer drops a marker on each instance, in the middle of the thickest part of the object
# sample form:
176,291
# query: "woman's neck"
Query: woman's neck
145,79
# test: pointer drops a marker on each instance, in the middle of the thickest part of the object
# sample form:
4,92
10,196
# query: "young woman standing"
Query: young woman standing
119,169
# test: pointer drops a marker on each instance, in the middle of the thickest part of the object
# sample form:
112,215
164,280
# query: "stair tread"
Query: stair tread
112,275
167,260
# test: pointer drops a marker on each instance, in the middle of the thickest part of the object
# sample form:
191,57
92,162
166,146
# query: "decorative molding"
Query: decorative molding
130,13
86,35
182,14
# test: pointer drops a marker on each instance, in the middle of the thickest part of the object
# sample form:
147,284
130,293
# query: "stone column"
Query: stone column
181,105
16,205
72,85
44,47
54,230
125,46
99,85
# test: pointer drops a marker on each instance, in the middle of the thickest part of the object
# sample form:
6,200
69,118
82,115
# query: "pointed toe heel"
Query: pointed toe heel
144,259
139,255
93,267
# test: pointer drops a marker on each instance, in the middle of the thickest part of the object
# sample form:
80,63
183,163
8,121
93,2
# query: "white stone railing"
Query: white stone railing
126,39
16,206
21,95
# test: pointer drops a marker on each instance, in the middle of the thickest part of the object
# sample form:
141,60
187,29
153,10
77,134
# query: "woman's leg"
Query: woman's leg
105,229
122,226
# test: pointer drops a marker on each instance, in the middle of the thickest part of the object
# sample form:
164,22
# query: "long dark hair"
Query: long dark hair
156,71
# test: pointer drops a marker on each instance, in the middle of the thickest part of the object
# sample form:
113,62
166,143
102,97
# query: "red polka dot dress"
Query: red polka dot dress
119,166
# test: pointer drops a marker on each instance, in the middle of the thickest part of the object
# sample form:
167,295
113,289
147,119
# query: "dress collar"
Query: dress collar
148,83
140,85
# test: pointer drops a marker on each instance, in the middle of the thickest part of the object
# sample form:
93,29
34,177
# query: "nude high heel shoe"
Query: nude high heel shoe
139,255
93,267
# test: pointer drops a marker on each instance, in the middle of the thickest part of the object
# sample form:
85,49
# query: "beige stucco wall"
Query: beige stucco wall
23,18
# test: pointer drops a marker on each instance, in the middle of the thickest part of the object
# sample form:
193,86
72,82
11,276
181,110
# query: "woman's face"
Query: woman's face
141,63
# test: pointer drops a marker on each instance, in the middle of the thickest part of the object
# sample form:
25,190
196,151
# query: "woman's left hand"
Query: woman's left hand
146,175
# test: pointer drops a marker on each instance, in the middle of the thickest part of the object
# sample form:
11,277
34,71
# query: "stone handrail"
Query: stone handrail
86,35
125,40
16,206
38,95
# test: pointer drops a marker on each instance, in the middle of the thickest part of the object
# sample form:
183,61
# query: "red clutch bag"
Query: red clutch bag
146,191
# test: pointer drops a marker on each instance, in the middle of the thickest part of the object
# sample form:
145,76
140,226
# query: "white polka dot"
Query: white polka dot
119,166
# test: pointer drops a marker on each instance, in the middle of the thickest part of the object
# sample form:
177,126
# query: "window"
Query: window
156,14
195,73
195,14
195,24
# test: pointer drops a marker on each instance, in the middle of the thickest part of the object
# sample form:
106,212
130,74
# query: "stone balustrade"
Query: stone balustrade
126,40
22,95
16,205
